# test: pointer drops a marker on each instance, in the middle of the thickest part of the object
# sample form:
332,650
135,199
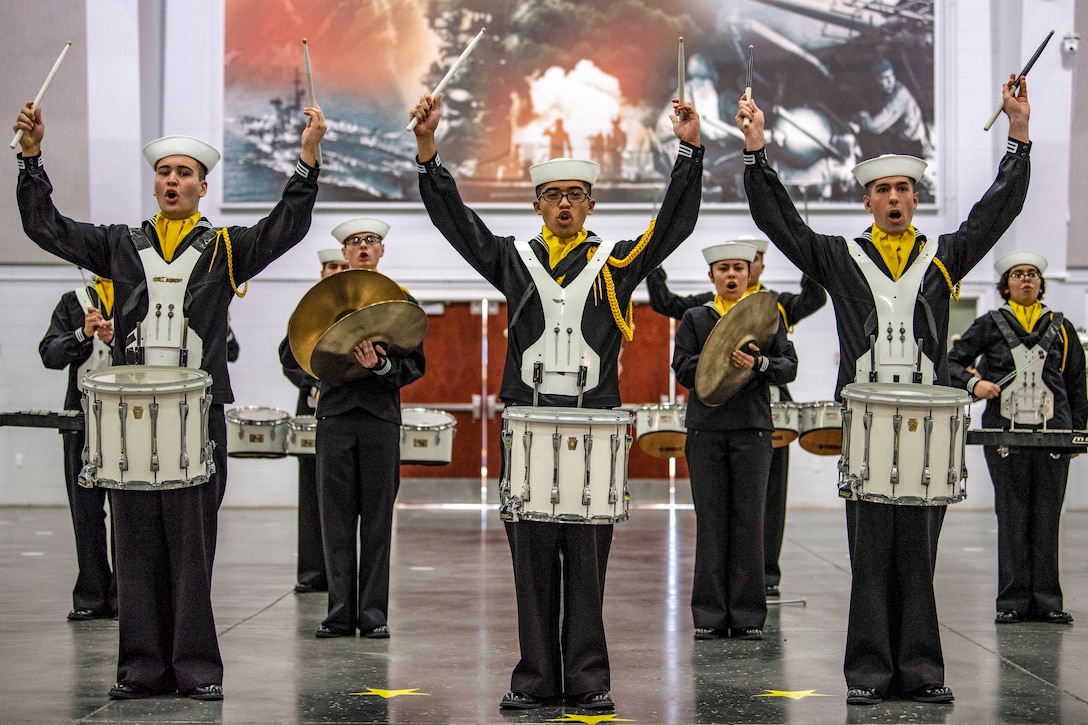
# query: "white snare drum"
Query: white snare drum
820,427
904,444
256,432
426,436
302,436
660,429
566,465
147,428
786,418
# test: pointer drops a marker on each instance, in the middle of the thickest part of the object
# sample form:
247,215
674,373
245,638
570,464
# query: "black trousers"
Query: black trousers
774,515
1029,490
311,556
559,572
893,640
358,476
165,550
728,472
96,586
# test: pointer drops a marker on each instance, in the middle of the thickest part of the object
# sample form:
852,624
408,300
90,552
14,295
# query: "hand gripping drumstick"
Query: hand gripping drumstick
748,80
44,88
310,86
680,64
453,69
1016,87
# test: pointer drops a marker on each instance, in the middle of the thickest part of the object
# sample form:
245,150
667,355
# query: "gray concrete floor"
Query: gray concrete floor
454,642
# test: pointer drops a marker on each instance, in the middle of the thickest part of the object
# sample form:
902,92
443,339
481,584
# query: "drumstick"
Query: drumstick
41,92
453,69
310,86
748,80
1016,87
680,68
1032,363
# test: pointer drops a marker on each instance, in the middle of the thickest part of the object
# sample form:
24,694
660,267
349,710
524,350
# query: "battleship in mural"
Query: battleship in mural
360,160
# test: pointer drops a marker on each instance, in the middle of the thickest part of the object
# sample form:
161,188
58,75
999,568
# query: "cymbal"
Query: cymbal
753,319
399,324
331,300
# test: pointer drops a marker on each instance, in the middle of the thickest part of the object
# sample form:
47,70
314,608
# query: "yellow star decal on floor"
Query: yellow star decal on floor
391,693
793,695
590,719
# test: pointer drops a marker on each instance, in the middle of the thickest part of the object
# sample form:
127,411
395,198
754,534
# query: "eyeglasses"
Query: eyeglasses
553,196
369,240
1030,274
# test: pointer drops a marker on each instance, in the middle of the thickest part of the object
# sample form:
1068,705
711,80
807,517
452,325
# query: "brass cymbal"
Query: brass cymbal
399,324
332,299
753,319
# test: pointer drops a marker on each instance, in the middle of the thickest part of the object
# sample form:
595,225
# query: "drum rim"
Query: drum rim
661,406
197,380
451,422
293,424
548,414
906,394
240,421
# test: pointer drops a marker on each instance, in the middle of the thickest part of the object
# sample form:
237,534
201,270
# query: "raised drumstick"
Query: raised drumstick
453,69
310,86
45,87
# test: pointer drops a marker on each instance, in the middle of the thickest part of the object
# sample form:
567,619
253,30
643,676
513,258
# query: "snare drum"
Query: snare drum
904,444
786,419
426,437
302,436
820,427
565,465
147,428
255,432
660,429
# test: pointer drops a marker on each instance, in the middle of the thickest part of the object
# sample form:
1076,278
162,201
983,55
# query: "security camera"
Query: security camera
1070,42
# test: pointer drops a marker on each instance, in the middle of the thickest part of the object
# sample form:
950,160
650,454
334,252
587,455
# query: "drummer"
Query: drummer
1029,482
559,568
310,570
893,644
358,463
729,452
166,539
794,307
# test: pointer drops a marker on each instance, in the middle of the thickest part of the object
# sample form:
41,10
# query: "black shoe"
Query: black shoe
598,700
326,632
301,588
86,615
863,696
205,692
932,693
1055,617
129,690
706,633
748,633
1008,616
515,700
771,590
379,632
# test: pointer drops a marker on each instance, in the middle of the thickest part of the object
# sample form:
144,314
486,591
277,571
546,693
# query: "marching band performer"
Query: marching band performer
559,568
1031,367
166,539
79,338
729,454
893,640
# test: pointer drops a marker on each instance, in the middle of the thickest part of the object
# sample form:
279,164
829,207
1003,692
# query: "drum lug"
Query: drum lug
122,412
183,409
613,496
555,467
897,423
587,442
154,411
928,425
844,458
867,423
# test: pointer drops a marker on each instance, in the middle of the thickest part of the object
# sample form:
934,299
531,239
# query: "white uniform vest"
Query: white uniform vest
1027,400
101,354
164,332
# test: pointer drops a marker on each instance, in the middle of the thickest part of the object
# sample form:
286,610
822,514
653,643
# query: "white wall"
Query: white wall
980,43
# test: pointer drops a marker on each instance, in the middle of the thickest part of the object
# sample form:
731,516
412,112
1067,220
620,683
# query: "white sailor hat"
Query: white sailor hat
1013,259
760,243
730,250
564,170
889,165
360,225
329,255
194,148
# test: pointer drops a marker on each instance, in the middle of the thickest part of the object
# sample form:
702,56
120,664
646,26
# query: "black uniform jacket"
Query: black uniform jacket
64,345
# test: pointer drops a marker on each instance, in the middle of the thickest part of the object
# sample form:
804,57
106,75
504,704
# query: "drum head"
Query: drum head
921,396
823,441
663,444
146,379
783,437
256,415
426,419
303,422
566,415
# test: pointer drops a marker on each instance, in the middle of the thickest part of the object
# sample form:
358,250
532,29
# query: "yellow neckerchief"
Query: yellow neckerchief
172,231
1027,315
894,249
723,305
560,248
781,310
104,288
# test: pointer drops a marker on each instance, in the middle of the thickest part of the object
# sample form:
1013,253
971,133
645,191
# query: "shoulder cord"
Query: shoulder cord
953,288
626,323
230,262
